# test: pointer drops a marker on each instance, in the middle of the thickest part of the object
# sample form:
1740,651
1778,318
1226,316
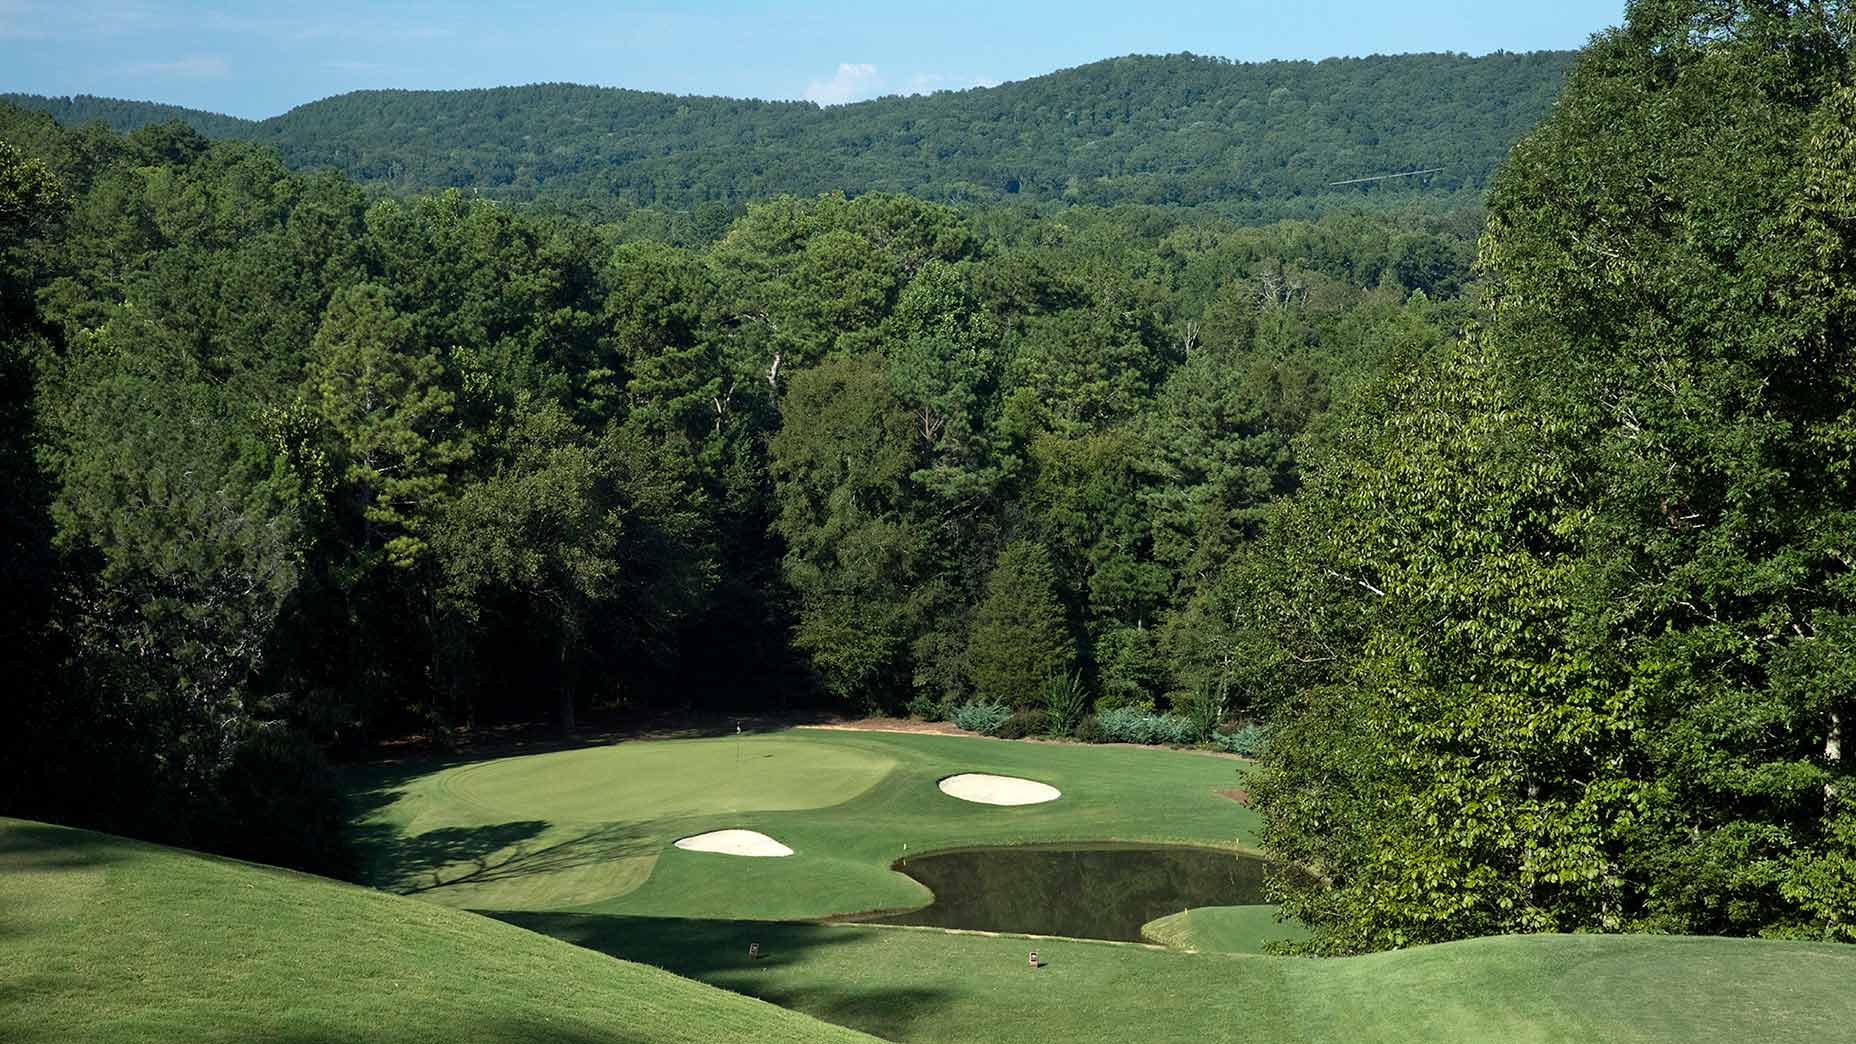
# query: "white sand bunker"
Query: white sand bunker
998,790
735,842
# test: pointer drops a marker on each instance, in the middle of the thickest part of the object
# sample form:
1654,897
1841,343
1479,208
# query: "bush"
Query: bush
923,707
1204,708
1089,730
982,716
1246,742
277,801
1127,725
1175,731
1024,723
1067,701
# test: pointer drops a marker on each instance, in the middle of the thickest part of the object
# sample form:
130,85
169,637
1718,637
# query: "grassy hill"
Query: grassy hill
932,987
103,939
1222,929
1260,140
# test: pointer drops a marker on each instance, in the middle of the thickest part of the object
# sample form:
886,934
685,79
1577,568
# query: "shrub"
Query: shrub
1127,725
1089,730
1066,700
277,801
1247,741
982,716
923,707
1176,731
1204,708
1024,723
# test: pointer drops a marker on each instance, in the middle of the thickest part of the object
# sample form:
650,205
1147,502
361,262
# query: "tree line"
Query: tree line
1256,141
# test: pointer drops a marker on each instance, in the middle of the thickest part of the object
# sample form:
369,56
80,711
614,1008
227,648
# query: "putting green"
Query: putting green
564,829
667,780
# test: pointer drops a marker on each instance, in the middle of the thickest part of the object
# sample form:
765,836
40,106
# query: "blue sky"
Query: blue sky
254,59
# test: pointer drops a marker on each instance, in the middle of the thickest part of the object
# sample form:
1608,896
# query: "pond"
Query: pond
1099,891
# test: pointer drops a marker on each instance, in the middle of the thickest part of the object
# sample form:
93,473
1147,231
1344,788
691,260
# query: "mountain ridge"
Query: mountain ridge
1256,140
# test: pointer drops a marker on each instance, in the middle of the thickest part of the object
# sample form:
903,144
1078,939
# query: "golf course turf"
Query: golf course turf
607,878
103,939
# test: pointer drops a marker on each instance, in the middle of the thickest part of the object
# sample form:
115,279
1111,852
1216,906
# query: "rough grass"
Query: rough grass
1222,929
103,939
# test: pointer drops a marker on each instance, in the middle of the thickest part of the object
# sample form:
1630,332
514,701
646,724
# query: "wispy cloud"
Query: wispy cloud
198,67
855,81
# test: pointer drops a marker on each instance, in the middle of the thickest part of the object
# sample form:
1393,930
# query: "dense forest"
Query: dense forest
1525,543
1254,141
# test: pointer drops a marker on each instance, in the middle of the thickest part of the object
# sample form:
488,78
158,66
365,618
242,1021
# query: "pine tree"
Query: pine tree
1019,638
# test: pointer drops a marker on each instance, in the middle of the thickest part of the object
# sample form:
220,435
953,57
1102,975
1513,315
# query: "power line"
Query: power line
1382,177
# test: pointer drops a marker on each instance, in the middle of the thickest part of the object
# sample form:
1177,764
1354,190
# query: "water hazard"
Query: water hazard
1082,891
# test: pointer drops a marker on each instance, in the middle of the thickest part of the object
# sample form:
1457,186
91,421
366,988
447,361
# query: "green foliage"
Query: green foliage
924,707
384,400
1587,550
1246,742
1066,701
1128,725
982,716
1260,141
1019,637
1129,664
1030,721
840,463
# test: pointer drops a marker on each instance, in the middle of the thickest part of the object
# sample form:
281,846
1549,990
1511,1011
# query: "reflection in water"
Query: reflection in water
1082,891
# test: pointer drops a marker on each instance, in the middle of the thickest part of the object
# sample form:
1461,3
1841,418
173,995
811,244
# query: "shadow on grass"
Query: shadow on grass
402,760
389,859
716,952
457,856
43,847
499,1031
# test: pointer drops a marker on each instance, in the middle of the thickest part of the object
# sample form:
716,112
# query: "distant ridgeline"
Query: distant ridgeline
1254,141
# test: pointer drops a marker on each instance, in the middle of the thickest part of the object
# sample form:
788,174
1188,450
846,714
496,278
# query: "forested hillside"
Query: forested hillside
1257,141
1535,573
361,468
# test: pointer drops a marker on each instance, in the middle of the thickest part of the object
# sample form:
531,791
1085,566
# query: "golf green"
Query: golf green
594,829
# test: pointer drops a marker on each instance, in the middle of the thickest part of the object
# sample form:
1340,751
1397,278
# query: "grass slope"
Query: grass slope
1223,929
103,939
924,985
